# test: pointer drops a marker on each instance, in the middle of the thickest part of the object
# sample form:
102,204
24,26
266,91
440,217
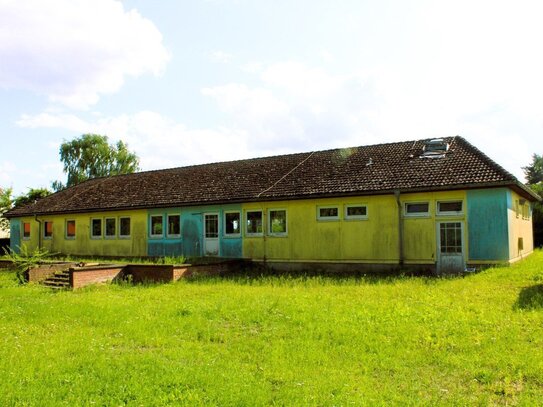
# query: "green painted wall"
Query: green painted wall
15,234
190,243
488,224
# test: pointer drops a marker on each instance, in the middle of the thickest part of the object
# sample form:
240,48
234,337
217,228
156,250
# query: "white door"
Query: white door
211,234
450,241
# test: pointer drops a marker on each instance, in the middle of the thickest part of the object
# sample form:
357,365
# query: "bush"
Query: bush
24,260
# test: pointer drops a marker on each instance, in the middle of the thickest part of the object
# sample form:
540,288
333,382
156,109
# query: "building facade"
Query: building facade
439,205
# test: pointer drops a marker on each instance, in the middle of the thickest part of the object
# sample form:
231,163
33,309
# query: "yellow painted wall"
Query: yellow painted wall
82,244
519,227
375,239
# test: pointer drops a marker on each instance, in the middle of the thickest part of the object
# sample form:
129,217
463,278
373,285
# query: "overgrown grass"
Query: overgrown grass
283,341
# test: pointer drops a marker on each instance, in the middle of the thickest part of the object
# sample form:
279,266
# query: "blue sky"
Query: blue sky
185,82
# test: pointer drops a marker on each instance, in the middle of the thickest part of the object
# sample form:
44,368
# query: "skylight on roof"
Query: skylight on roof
435,148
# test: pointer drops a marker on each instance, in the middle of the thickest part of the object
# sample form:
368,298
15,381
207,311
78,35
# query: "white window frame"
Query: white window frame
106,236
251,234
270,232
416,214
355,217
130,234
66,229
225,234
327,218
449,213
92,235
156,236
172,235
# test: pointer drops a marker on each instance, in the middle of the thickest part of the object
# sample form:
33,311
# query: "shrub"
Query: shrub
24,260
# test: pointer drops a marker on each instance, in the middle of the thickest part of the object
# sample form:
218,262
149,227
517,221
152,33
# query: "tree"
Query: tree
91,156
31,196
534,178
6,203
537,215
534,171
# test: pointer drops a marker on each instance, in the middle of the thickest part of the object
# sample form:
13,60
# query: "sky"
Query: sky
199,81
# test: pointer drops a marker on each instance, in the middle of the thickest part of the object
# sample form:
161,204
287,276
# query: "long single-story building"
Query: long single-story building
437,204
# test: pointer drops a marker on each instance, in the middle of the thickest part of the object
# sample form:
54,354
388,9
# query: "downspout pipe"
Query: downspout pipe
400,228
39,231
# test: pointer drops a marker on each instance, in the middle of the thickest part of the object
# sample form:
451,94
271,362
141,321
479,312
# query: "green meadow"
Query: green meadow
278,340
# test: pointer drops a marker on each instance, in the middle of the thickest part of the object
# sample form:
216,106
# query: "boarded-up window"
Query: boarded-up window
70,229
47,229
124,227
26,230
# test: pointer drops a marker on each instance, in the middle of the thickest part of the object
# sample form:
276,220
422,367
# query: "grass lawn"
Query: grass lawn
278,340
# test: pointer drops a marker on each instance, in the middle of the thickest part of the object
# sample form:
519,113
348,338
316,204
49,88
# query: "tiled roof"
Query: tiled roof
374,169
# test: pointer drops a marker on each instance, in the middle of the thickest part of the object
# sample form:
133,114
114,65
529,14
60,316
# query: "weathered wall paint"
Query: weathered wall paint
488,224
15,234
372,240
190,243
521,241
491,227
83,244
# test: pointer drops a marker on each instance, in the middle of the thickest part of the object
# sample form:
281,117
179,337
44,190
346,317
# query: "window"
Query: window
70,229
124,227
254,223
232,224
96,228
156,226
278,222
26,230
356,212
48,229
450,236
517,208
327,213
111,227
526,211
449,208
174,225
417,209
211,226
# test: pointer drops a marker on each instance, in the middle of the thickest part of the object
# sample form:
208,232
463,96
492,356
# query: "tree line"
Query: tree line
85,157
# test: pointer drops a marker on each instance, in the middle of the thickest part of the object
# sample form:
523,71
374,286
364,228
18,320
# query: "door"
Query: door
211,234
450,239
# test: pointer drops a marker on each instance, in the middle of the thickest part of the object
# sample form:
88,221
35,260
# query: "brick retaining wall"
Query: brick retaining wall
40,273
94,275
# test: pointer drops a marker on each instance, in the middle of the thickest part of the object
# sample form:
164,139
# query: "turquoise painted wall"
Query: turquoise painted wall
15,234
190,243
487,224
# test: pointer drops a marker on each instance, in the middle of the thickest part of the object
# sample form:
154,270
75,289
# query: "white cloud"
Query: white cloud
75,50
221,57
